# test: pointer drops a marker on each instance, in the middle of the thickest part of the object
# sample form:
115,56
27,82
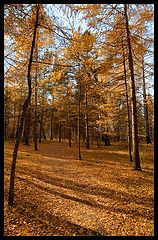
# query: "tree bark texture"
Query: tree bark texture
136,158
60,128
79,124
69,126
128,109
87,123
26,127
41,121
14,123
51,125
35,110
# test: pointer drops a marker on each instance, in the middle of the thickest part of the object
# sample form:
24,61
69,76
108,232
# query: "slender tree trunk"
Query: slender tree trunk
69,126
18,118
69,136
51,125
41,127
44,135
14,123
63,133
6,122
26,127
51,128
60,132
79,127
134,108
35,116
20,128
87,123
148,139
41,122
128,109
55,130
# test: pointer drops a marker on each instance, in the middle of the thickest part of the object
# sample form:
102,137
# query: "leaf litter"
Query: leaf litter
58,195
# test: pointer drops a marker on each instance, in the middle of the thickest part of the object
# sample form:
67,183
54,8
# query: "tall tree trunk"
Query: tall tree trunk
79,125
134,107
5,127
14,123
41,127
69,136
128,109
69,126
148,139
60,126
26,127
20,128
35,115
55,130
87,123
18,118
51,125
64,133
44,135
41,121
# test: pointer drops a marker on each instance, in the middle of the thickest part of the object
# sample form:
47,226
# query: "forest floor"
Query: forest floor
58,195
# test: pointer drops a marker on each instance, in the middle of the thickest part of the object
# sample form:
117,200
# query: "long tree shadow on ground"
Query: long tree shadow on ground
72,185
91,202
49,224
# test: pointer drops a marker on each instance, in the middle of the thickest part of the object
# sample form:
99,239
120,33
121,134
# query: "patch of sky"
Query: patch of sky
67,18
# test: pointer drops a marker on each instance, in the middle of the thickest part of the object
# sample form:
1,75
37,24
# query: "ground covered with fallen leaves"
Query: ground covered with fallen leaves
58,195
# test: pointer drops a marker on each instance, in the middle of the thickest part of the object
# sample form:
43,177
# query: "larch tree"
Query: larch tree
25,106
35,99
119,49
136,158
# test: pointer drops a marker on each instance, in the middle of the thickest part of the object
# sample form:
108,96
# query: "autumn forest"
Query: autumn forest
79,119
